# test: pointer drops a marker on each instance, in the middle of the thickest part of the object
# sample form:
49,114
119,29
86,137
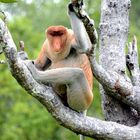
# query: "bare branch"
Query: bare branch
118,84
22,54
132,62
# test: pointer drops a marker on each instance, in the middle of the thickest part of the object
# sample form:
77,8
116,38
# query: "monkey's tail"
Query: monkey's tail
81,136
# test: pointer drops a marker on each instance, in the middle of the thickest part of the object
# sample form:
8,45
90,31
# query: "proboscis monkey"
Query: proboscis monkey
63,63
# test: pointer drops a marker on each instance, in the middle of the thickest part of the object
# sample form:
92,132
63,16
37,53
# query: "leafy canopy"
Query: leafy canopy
8,1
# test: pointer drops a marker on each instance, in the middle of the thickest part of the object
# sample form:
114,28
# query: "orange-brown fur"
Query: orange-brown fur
57,47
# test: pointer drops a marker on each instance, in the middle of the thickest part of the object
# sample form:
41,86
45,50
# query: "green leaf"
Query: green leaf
8,1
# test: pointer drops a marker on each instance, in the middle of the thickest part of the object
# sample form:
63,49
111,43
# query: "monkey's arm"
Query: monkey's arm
82,38
79,94
42,62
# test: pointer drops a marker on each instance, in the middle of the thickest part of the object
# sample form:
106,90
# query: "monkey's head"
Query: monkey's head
59,40
57,37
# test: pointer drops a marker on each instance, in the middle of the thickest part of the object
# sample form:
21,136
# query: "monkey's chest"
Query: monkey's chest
66,63
80,61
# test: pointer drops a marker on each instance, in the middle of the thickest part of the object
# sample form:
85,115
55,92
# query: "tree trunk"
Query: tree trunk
113,35
119,93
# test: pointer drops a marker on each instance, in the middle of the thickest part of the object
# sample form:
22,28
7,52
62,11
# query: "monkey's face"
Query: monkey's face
57,37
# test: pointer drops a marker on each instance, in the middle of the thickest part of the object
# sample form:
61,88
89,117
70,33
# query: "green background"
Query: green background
21,116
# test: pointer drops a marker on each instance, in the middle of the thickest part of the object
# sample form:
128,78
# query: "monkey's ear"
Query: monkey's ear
46,31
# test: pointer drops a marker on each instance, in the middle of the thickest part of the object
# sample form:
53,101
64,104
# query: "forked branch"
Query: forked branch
119,86
66,117
132,62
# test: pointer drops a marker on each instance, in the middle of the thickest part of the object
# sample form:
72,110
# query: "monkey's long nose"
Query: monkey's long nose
57,48
57,45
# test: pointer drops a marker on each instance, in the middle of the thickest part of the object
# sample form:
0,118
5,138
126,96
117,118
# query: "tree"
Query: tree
120,94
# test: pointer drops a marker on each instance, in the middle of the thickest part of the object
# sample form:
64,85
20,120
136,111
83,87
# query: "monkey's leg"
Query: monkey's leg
79,94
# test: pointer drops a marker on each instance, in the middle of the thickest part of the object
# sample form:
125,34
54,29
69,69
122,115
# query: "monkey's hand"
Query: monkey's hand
39,76
22,55
34,71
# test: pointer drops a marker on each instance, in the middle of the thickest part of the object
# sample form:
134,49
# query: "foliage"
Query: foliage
21,116
8,1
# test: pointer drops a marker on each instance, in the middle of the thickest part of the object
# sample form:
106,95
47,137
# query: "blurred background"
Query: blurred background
21,116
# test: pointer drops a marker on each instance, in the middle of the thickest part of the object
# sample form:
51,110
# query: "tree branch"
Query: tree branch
107,78
114,30
132,62
117,83
66,117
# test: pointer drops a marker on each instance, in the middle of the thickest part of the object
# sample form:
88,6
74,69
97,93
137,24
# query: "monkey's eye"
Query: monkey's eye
56,33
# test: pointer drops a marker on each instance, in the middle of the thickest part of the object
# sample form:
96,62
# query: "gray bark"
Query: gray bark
114,29
120,95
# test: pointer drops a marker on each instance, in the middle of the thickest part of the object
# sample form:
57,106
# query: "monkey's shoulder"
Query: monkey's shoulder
74,59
